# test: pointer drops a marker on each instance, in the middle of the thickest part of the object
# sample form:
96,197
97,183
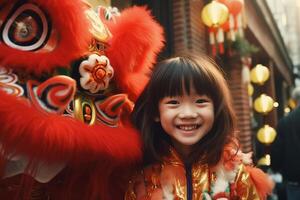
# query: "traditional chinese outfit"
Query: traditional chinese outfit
171,179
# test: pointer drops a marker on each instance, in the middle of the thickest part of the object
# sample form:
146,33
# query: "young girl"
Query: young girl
187,125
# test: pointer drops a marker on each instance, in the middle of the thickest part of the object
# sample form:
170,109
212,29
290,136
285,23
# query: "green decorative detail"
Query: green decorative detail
227,190
243,47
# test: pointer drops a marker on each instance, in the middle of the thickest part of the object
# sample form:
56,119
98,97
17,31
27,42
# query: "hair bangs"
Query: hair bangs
170,80
203,84
179,75
199,77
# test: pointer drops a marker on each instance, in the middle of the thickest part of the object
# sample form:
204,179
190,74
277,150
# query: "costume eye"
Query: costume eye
26,29
107,15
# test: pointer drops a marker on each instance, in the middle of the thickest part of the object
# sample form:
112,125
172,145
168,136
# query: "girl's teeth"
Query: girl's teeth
188,128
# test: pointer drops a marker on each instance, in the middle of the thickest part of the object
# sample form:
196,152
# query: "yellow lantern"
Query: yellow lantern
266,134
259,74
263,104
265,160
214,14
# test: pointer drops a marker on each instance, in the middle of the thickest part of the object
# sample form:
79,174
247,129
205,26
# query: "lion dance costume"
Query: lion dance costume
68,80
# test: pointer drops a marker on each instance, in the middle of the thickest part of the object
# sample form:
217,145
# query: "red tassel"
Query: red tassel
213,50
212,42
221,48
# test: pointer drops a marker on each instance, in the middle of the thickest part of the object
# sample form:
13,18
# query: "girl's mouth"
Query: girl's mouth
188,127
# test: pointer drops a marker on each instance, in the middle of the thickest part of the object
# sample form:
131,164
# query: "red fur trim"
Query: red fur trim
50,137
136,39
69,20
89,182
95,155
263,184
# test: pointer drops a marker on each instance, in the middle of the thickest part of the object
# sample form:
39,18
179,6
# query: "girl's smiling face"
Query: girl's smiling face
186,118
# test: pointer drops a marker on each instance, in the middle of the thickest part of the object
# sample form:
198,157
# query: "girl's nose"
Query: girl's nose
187,112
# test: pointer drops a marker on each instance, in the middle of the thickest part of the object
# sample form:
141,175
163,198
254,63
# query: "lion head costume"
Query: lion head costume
69,77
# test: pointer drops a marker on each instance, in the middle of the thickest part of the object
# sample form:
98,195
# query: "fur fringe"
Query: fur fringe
94,154
25,130
136,40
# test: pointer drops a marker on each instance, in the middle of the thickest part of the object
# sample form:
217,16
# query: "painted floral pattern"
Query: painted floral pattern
96,72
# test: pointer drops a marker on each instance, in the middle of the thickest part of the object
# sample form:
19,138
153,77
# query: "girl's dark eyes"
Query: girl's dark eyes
202,101
173,102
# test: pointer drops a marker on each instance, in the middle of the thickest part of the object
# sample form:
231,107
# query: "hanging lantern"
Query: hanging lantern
259,74
266,135
214,15
263,104
235,8
265,160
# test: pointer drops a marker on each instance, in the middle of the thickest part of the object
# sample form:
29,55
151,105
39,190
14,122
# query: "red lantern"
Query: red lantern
234,6
235,18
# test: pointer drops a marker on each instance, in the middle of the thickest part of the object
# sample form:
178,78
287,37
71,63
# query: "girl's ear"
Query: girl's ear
156,119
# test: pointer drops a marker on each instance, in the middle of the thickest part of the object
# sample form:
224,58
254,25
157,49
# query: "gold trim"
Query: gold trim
79,102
